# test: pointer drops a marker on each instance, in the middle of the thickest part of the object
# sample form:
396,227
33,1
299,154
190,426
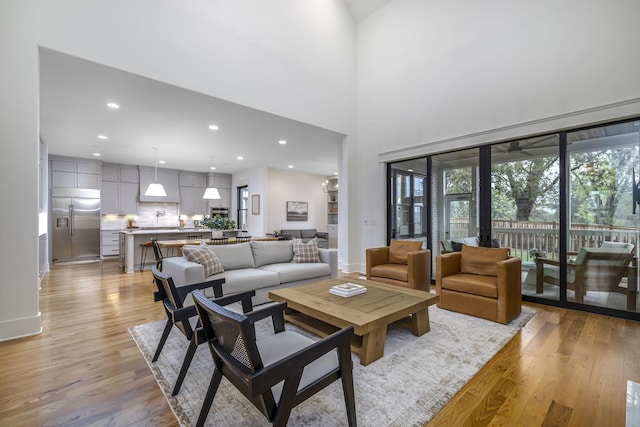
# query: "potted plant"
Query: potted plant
218,224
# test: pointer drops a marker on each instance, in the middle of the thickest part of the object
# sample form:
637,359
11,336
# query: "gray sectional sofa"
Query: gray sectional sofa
262,266
307,234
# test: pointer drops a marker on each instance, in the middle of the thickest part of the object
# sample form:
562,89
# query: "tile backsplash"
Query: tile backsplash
151,214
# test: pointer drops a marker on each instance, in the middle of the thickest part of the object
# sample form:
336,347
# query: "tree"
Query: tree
526,182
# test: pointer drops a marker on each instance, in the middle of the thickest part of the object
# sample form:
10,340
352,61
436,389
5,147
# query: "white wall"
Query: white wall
291,58
286,186
435,75
256,180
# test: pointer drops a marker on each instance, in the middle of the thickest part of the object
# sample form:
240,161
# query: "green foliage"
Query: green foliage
218,223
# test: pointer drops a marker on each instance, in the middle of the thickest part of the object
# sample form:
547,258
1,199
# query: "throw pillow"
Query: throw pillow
399,250
305,252
205,257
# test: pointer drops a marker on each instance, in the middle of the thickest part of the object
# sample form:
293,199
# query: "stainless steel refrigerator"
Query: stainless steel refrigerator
75,227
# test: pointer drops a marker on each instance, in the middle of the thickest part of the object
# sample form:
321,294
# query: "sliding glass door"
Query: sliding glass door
566,203
525,205
603,169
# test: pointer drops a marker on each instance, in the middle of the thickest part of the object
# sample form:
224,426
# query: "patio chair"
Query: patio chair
182,314
595,270
276,372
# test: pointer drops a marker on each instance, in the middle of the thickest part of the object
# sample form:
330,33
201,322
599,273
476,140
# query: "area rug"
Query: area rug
416,377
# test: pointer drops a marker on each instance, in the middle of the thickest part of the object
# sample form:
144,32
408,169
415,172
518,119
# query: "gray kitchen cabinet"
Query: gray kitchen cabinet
224,201
110,243
193,179
71,173
223,183
119,198
191,201
119,173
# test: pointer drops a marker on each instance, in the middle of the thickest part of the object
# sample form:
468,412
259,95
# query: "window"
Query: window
243,207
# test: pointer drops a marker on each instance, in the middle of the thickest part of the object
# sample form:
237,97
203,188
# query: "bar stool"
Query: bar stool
219,241
145,247
243,239
158,253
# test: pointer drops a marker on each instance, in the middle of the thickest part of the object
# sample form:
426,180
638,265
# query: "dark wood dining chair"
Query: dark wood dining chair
184,317
275,372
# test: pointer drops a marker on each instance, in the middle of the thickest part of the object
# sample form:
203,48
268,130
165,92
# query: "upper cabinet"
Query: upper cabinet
119,189
72,173
223,183
192,188
169,178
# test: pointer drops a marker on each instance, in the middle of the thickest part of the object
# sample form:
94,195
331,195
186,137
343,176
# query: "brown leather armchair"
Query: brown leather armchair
402,263
482,282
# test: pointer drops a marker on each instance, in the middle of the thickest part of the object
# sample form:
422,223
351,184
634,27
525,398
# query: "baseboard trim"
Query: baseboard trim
20,328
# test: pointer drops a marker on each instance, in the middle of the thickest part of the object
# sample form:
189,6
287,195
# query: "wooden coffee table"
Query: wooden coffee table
313,308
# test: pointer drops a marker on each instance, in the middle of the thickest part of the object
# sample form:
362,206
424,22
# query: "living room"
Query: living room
412,78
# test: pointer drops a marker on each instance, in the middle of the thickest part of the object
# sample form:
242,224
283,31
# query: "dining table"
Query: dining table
178,244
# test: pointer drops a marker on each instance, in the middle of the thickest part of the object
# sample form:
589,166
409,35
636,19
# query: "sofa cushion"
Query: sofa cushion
292,272
293,233
481,260
272,252
305,252
246,279
234,256
390,271
205,257
399,250
308,233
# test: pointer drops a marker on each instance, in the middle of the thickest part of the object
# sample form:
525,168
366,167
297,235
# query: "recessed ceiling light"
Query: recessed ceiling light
240,158
335,173
162,162
102,137
113,105
96,154
290,166
212,168
282,142
213,127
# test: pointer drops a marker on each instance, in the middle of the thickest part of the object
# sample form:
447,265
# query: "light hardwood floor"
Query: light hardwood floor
564,368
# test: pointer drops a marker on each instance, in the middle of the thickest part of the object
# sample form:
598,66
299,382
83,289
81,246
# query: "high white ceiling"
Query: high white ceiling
73,112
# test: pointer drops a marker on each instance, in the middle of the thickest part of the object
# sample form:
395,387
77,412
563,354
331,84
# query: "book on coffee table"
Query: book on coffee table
347,289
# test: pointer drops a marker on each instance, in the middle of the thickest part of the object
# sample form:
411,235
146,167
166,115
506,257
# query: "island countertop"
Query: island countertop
163,230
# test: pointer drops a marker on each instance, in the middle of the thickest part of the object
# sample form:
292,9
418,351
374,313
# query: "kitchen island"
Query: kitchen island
131,240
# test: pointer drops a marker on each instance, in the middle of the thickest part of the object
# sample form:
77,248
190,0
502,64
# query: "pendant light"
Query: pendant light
155,188
211,193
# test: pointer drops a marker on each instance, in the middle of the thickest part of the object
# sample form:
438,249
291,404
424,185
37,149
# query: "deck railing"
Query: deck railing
522,236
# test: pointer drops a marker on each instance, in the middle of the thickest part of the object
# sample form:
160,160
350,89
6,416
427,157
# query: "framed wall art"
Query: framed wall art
255,204
297,211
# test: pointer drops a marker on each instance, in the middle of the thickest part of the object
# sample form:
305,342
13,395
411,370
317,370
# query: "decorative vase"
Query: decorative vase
216,234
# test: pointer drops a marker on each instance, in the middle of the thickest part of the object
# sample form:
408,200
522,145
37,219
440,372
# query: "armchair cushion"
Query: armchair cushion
482,261
205,257
399,250
391,271
486,286
305,252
